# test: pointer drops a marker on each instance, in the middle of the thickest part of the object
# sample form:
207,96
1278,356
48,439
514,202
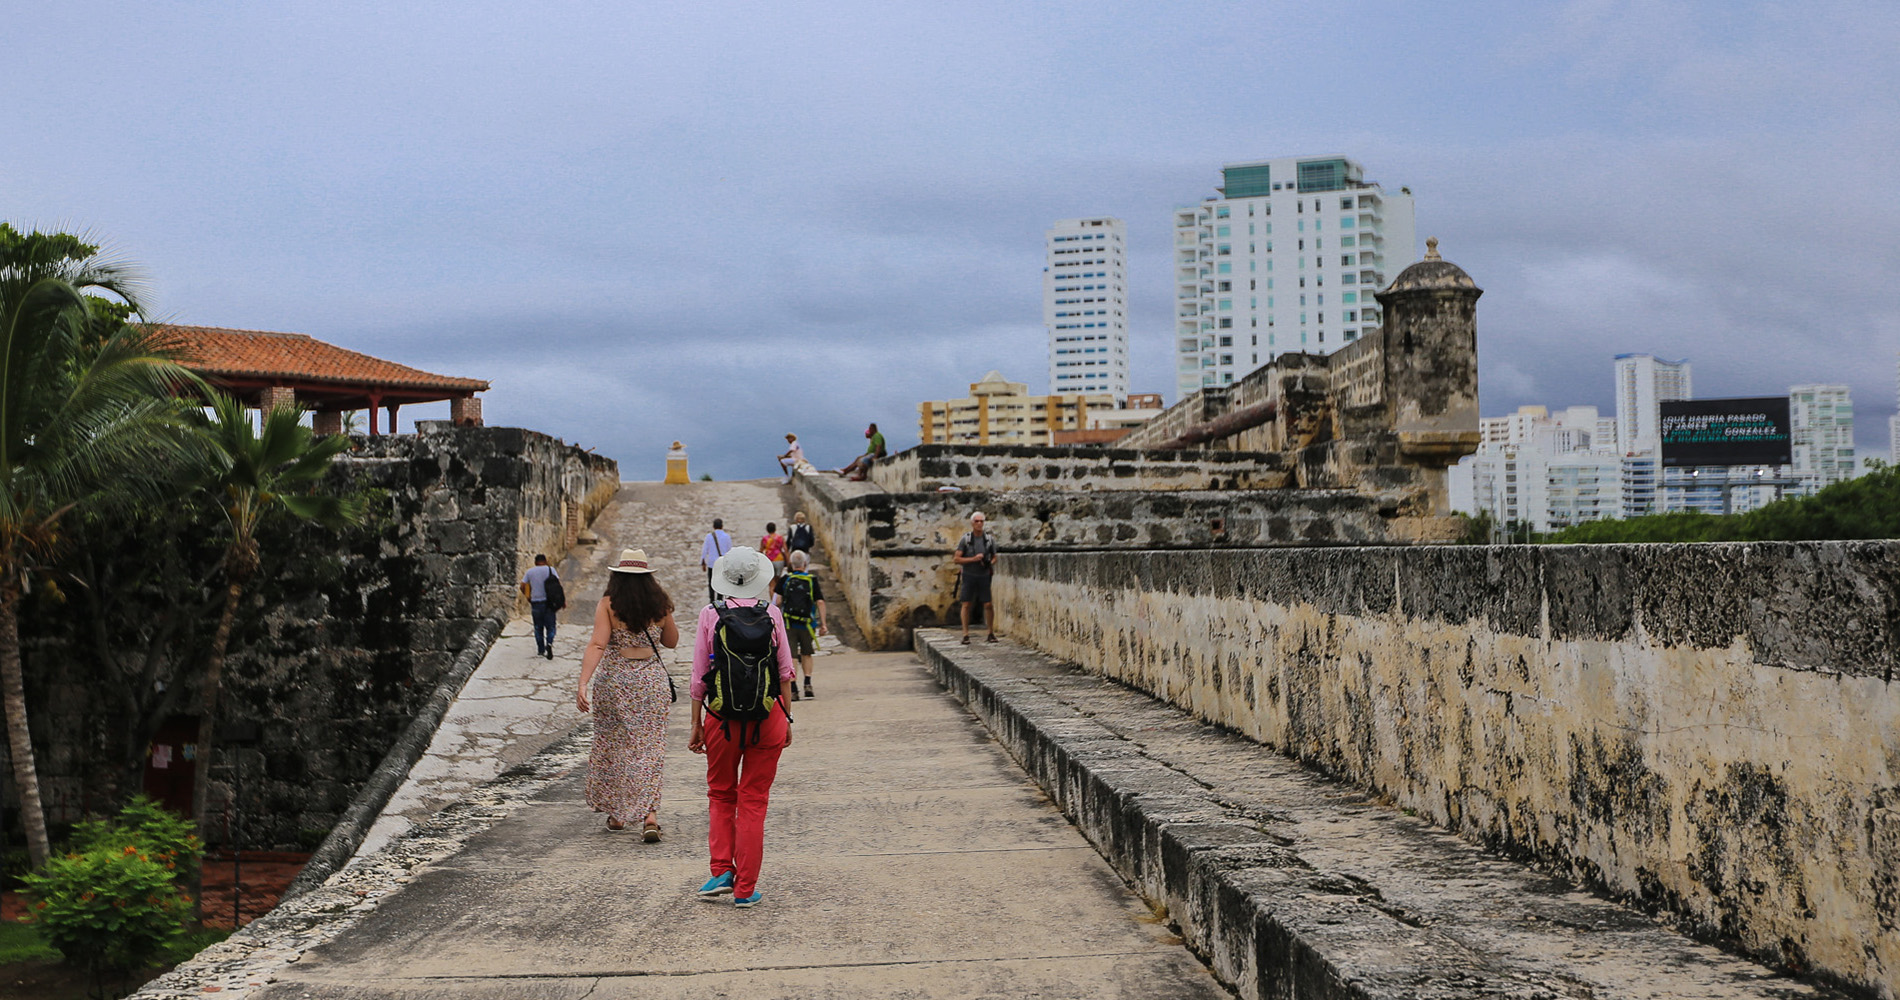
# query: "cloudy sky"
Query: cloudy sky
719,222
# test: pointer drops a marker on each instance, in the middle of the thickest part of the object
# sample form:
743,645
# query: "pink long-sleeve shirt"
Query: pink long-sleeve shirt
703,645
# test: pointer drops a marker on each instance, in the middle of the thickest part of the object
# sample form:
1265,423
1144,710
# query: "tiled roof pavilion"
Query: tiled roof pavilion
265,368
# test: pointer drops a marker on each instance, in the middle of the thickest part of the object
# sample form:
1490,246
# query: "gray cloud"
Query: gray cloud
719,223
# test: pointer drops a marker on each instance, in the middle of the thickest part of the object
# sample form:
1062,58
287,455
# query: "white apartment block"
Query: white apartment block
1893,425
1542,470
1821,430
1524,485
1084,306
1642,382
1286,258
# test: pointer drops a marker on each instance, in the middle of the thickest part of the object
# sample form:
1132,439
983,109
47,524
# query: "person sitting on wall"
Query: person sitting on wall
794,457
861,466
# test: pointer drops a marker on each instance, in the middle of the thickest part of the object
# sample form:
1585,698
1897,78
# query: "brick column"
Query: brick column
466,411
327,422
276,396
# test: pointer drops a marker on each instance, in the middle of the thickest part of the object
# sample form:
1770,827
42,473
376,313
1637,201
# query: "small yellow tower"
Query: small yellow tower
676,464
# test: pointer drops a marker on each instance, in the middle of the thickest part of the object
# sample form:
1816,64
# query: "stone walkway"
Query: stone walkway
907,856
517,704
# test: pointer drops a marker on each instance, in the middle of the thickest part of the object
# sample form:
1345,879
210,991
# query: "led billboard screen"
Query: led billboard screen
1726,432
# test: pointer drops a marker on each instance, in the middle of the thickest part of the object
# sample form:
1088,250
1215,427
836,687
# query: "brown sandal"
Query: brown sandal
615,825
651,833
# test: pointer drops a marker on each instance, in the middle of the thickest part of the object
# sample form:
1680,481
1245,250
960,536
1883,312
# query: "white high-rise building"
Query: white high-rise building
1642,382
1893,425
1285,258
1084,305
1542,470
1821,431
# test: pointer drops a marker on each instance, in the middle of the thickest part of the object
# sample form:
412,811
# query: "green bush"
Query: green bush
1867,506
154,830
108,910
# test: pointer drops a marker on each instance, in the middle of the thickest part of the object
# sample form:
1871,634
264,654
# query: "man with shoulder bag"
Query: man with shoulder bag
976,558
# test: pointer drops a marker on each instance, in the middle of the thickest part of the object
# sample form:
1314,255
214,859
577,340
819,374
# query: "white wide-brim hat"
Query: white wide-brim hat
742,573
632,561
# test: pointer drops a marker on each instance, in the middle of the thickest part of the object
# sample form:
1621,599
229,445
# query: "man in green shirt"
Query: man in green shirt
861,465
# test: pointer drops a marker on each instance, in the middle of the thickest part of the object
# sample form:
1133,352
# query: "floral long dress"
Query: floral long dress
630,702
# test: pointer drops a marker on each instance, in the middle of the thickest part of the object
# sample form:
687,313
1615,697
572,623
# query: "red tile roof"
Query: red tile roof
216,352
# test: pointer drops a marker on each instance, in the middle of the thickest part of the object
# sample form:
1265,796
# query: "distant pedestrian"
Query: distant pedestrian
976,556
801,539
772,545
546,598
874,450
742,673
803,603
717,544
631,695
794,457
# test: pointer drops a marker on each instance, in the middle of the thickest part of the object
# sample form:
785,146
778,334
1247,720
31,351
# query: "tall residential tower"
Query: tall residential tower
1643,381
1084,305
1245,293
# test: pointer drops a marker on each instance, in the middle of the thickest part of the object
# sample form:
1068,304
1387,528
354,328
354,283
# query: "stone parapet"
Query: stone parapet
1707,730
892,550
1075,468
1292,885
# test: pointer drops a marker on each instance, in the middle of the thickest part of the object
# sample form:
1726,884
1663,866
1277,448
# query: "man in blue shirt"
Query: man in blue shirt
534,584
717,544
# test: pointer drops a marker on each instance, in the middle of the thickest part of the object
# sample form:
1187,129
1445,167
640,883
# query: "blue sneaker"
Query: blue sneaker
718,885
749,901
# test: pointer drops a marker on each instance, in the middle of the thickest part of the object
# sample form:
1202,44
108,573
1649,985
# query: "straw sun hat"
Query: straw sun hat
632,561
742,573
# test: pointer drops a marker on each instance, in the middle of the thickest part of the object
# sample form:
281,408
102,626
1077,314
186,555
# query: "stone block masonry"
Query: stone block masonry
1711,731
345,637
892,550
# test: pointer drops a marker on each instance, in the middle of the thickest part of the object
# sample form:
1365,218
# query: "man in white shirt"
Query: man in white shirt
534,584
717,544
794,456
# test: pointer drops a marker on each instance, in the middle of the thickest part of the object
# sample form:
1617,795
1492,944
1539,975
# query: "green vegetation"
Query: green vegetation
137,507
1865,507
250,473
113,904
86,406
23,943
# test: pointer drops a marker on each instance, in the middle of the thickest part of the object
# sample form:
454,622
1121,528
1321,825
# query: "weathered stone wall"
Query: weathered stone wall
346,634
892,550
1013,467
1711,730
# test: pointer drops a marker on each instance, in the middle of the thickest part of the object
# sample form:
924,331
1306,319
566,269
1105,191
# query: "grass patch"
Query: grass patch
21,943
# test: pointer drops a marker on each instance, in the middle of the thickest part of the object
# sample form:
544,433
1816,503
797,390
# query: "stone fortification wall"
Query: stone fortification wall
345,635
1014,467
1710,730
892,550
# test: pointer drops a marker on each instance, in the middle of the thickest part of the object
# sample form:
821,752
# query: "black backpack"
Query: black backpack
801,537
742,684
795,594
555,592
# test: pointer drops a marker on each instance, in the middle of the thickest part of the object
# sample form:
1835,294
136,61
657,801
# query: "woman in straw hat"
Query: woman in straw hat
633,620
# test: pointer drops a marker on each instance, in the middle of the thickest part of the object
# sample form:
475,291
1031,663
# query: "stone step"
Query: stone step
1291,884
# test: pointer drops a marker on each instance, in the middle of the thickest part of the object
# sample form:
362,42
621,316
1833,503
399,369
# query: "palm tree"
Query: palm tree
83,396
251,472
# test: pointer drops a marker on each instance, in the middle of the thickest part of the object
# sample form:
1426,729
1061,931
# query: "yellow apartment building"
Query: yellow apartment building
998,411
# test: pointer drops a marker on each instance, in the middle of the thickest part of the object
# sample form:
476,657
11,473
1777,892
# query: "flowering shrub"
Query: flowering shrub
112,904
156,831
111,910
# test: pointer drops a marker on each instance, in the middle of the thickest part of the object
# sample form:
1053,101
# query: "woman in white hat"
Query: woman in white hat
741,748
632,694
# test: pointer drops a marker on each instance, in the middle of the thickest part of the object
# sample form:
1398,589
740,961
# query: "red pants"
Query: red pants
738,786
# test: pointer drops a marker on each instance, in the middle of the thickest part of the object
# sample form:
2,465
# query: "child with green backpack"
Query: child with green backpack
742,677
